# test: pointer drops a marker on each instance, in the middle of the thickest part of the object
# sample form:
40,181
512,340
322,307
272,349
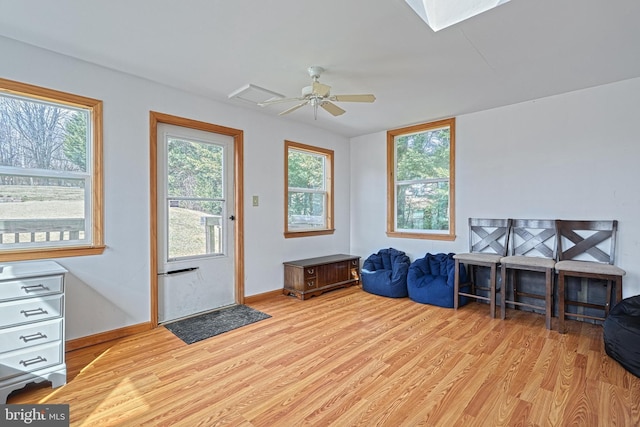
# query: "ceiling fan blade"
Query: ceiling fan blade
321,90
294,108
278,101
332,108
353,98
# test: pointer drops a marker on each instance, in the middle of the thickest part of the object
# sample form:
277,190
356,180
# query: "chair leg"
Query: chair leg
514,286
492,291
471,271
618,289
607,304
561,302
503,292
548,302
456,285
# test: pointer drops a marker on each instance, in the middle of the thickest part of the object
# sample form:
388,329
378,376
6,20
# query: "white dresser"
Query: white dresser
31,325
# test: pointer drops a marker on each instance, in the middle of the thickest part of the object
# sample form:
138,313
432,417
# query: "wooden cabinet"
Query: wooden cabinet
31,325
305,278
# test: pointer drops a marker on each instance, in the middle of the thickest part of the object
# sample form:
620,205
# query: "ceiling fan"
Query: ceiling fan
319,95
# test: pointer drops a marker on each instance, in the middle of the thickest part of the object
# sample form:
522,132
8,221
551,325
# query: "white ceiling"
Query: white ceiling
522,50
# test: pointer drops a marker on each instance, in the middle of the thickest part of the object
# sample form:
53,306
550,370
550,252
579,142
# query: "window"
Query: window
308,190
420,181
50,173
439,14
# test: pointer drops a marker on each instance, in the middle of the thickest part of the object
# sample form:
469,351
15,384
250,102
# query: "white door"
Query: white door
195,222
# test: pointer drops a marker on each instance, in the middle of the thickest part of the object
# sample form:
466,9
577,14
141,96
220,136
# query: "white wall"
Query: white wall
112,290
570,156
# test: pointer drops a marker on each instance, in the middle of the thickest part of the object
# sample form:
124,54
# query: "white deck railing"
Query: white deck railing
41,230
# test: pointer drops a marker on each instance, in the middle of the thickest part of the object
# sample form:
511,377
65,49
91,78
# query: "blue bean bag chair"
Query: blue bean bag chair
621,332
430,280
385,273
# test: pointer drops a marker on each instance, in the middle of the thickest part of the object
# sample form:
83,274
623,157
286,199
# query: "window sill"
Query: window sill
290,234
33,254
424,236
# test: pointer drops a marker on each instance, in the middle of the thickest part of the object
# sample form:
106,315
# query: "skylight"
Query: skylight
439,14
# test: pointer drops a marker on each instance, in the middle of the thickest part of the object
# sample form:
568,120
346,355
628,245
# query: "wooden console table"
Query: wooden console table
305,278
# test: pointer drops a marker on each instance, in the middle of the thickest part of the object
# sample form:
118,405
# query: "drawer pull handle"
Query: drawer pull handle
310,270
33,361
32,337
310,284
32,288
34,312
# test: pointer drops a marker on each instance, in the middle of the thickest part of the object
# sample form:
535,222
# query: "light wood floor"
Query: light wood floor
349,358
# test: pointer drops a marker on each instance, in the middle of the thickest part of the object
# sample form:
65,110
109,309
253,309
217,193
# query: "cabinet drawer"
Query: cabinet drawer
310,272
36,286
30,359
30,310
310,283
30,335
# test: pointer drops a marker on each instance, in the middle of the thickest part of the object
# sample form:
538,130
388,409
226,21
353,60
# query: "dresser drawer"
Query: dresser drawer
30,335
31,287
30,310
30,359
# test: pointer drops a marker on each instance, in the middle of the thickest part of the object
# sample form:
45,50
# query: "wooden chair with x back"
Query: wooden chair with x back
586,250
487,245
532,247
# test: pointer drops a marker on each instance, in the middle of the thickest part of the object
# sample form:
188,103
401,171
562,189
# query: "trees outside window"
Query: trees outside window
308,190
420,187
50,181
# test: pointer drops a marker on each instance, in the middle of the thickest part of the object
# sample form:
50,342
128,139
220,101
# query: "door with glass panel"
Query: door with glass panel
195,222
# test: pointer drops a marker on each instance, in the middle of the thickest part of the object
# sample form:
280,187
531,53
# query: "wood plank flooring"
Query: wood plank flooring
348,358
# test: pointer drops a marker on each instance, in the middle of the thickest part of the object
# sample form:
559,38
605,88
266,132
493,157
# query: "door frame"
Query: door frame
238,174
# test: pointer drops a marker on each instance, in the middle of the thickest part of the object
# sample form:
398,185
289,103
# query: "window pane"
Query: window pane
422,199
45,183
195,228
306,170
38,210
194,169
38,135
423,206
306,210
423,155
